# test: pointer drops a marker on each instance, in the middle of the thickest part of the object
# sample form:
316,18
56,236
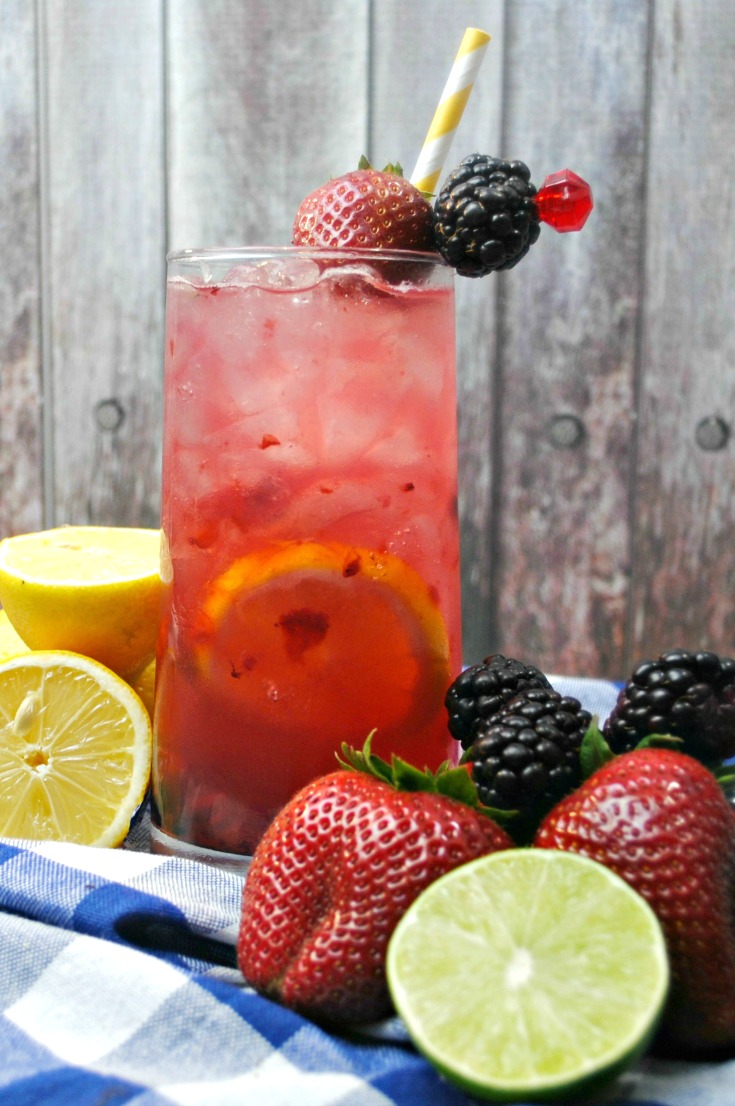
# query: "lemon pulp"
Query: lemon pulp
75,750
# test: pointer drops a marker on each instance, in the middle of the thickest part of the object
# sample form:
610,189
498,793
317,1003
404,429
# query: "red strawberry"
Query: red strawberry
661,821
337,869
367,209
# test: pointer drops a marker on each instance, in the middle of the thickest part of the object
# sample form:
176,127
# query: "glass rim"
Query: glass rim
327,253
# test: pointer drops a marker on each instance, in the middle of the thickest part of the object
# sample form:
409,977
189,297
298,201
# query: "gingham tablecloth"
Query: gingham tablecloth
118,984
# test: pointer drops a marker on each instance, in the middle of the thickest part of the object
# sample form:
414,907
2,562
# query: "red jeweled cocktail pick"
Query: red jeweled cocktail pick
564,201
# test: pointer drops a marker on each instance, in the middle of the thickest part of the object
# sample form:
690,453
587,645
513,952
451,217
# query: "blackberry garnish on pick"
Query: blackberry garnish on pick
689,695
488,214
484,216
481,691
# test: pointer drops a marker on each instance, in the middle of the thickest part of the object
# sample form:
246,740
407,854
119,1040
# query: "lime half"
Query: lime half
529,973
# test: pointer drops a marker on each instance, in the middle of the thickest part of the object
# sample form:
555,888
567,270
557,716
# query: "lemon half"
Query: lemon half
94,590
11,644
75,750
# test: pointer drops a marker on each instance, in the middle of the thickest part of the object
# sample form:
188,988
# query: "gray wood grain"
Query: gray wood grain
127,129
105,252
575,97
684,554
412,59
21,419
266,101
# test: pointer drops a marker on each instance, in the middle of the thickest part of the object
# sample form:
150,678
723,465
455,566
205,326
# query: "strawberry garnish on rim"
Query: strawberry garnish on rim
367,208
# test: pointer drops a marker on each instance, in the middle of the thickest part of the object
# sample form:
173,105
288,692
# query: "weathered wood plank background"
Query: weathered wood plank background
597,382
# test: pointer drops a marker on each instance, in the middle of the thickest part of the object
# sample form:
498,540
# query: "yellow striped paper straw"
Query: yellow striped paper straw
449,112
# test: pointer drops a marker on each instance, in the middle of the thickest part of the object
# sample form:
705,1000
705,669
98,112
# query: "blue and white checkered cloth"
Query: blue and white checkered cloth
118,985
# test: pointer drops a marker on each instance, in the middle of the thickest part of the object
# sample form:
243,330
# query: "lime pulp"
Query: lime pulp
529,973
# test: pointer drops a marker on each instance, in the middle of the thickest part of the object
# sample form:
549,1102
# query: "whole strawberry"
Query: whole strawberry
337,869
660,820
366,209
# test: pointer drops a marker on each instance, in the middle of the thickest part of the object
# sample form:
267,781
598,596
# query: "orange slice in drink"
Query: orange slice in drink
326,638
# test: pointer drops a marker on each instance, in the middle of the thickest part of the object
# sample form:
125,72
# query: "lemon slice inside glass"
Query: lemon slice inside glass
94,590
314,630
75,750
529,974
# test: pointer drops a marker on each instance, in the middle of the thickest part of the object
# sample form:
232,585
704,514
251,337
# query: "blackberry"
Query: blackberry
526,758
689,695
480,692
485,218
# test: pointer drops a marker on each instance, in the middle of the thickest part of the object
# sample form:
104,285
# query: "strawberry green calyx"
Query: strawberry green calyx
393,167
595,753
594,750
725,776
448,780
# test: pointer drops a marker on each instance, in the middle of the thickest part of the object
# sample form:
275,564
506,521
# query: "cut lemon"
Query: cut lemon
529,974
144,685
94,590
75,750
11,645
314,632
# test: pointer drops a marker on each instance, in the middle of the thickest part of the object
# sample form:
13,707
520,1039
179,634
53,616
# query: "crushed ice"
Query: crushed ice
292,275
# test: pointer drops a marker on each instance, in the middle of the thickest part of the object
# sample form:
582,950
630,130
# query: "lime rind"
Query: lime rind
529,974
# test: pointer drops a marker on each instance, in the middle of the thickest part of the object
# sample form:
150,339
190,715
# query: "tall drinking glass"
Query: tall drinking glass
309,514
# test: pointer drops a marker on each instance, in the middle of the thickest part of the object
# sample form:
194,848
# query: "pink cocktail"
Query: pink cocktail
310,521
